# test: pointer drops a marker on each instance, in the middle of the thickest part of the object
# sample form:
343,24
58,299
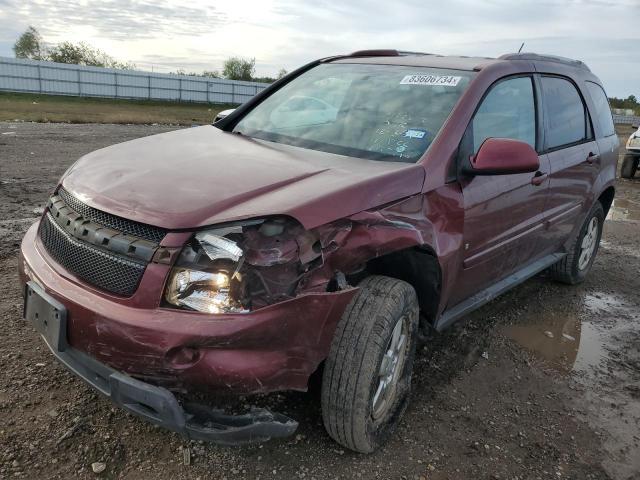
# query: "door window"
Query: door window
508,111
566,116
603,111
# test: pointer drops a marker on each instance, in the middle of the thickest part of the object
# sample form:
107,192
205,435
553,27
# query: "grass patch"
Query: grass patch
54,108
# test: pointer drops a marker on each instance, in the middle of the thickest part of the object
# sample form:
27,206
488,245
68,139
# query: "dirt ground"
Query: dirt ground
543,382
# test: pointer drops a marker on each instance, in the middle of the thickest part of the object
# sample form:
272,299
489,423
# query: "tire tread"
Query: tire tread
351,351
629,166
566,270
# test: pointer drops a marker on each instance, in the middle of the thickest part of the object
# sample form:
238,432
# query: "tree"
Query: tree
280,74
236,68
84,54
67,52
29,45
630,102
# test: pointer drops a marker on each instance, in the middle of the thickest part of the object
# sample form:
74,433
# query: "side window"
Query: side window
603,110
508,111
566,115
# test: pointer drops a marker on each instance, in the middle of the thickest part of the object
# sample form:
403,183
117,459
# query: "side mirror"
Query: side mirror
503,156
223,114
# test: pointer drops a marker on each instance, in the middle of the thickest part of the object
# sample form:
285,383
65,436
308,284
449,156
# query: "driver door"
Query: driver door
503,213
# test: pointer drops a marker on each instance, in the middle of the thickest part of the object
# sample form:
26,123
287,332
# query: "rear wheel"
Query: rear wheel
629,166
367,376
573,268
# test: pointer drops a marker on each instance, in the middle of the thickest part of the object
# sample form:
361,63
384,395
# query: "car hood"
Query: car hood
202,176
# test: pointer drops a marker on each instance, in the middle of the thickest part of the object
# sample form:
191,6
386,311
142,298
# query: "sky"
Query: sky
198,35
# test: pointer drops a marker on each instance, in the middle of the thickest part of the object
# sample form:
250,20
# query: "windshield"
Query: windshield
378,112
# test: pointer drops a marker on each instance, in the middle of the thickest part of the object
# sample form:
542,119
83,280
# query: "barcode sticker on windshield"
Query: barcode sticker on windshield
444,80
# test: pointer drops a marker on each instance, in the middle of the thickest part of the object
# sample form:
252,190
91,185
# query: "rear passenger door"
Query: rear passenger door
573,158
503,213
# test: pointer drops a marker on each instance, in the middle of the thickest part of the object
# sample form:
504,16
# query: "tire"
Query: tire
573,269
629,166
351,379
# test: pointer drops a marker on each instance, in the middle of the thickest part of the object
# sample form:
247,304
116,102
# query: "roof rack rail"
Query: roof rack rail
385,53
406,52
544,58
375,53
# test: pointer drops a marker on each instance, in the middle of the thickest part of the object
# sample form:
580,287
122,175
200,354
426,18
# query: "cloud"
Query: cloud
200,34
116,19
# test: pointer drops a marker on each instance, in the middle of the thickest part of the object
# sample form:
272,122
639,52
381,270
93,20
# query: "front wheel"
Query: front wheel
367,375
573,268
629,166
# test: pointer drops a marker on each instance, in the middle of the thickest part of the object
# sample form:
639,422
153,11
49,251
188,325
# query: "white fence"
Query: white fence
32,76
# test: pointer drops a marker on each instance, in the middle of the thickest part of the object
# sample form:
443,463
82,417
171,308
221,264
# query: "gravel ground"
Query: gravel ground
543,382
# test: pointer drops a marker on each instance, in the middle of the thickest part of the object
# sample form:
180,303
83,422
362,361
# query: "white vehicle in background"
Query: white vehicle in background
632,156
222,114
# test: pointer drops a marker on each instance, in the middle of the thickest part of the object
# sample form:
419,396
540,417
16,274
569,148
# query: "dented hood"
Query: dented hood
203,176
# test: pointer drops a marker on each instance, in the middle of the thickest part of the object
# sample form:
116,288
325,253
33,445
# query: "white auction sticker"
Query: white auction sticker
444,80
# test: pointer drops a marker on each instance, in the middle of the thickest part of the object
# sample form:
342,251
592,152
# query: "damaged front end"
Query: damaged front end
236,269
246,308
244,267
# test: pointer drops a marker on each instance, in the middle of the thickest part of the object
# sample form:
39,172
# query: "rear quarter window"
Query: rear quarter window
603,110
567,121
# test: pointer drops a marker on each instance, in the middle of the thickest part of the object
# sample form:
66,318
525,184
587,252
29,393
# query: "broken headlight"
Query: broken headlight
207,275
245,267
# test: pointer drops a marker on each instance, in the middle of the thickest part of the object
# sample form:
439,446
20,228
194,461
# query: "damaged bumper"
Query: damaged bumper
152,403
272,349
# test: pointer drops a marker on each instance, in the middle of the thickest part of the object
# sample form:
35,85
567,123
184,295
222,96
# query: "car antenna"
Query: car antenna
520,49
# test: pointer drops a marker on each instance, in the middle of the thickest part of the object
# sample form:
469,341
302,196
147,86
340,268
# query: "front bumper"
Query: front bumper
272,349
154,404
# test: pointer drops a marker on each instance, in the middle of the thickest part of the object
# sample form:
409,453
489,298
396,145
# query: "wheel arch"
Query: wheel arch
606,198
418,266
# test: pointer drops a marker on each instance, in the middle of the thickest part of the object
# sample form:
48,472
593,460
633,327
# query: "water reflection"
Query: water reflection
563,339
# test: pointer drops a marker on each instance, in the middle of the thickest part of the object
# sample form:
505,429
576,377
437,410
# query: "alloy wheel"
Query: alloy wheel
589,242
390,369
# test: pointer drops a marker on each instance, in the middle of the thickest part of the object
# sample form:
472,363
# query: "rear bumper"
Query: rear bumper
272,349
158,405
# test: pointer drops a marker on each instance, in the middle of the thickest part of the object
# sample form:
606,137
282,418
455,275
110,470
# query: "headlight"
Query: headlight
207,278
202,291
243,267
634,142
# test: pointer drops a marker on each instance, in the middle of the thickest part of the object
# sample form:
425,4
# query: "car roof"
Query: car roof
419,59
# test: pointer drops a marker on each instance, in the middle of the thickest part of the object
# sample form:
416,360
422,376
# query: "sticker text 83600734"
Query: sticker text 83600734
444,80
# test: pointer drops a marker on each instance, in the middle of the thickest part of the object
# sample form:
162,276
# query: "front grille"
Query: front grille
95,266
141,230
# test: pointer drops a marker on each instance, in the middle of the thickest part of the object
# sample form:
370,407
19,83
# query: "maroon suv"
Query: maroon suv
324,226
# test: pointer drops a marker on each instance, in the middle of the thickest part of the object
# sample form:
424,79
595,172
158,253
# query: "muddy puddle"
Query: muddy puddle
596,343
566,340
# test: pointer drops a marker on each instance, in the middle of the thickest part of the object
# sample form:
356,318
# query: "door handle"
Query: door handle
592,157
539,178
